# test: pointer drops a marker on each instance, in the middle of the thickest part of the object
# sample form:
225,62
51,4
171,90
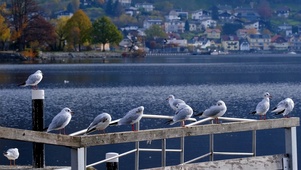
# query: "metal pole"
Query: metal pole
113,163
137,148
163,161
291,147
182,150
38,125
254,142
211,147
78,158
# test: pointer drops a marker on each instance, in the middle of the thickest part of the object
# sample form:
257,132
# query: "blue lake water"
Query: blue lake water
116,87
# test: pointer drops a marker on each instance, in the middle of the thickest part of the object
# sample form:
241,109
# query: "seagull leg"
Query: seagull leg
133,127
183,123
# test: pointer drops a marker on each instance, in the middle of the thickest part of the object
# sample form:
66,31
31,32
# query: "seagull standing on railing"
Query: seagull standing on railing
33,80
263,106
12,154
61,120
214,111
173,102
284,107
131,117
183,113
100,122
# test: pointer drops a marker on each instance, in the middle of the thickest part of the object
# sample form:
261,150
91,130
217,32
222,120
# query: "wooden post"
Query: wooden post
113,163
78,158
291,147
38,125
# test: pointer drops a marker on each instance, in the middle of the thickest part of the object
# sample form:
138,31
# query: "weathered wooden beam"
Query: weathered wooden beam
39,137
176,132
143,135
261,162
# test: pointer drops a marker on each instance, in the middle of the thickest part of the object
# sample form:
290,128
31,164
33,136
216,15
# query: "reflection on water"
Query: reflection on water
117,88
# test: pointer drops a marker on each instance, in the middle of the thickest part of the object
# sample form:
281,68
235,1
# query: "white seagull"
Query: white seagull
33,80
61,120
12,154
133,116
100,122
183,113
263,106
173,102
284,107
214,111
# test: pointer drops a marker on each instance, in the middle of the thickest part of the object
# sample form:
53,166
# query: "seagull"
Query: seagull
284,107
173,102
100,122
132,117
12,154
214,111
263,106
183,113
33,80
61,120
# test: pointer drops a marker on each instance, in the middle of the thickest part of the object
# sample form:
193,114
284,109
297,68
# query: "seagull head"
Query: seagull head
140,110
267,95
220,103
170,97
67,110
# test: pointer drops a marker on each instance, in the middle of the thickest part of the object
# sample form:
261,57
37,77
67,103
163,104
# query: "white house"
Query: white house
180,43
200,15
145,6
149,22
174,26
252,25
208,23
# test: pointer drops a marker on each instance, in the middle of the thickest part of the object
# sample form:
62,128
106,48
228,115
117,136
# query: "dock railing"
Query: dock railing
79,143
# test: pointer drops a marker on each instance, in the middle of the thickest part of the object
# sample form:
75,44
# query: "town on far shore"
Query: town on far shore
255,27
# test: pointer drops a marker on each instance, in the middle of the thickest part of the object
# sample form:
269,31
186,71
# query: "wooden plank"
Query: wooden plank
176,132
143,135
39,137
270,162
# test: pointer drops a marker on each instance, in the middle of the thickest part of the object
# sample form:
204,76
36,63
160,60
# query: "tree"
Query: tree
22,12
40,32
264,10
4,30
104,31
82,24
61,32
187,28
155,31
230,29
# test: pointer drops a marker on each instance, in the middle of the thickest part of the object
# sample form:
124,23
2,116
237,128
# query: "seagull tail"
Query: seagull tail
90,130
278,113
22,84
169,122
114,124
198,114
253,112
45,129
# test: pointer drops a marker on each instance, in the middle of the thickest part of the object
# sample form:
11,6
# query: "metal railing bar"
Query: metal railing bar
221,118
197,158
159,150
114,157
234,153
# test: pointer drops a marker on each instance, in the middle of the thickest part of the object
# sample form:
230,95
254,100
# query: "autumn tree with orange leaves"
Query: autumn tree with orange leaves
78,28
4,29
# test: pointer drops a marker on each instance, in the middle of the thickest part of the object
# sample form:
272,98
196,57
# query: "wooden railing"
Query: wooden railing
78,144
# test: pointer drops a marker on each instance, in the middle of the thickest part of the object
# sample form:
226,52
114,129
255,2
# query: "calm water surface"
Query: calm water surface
118,87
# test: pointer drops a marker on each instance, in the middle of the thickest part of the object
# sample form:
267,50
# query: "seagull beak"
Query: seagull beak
72,113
